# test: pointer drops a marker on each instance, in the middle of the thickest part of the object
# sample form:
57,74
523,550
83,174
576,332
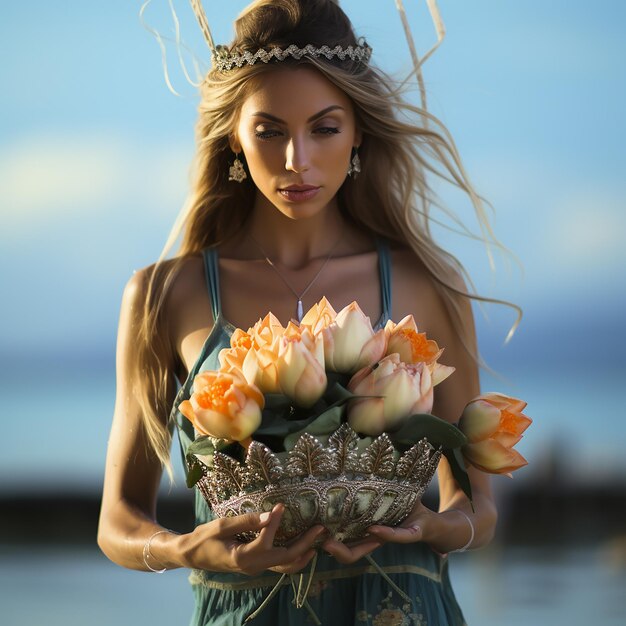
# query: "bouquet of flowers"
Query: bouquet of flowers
333,420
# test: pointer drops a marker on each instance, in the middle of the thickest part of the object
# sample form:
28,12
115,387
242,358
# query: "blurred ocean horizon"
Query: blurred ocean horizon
58,416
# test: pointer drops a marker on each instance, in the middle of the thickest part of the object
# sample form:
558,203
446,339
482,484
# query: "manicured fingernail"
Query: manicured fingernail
264,517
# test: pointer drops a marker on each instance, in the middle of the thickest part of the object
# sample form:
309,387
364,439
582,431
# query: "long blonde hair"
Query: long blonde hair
392,192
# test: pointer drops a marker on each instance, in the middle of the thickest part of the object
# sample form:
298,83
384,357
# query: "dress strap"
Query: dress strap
384,267
212,276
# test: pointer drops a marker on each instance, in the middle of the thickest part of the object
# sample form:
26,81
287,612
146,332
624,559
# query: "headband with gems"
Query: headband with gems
224,61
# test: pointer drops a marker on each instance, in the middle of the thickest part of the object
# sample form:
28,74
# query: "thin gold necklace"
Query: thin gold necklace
299,296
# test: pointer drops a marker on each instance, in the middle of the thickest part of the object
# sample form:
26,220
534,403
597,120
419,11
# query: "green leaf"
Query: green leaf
277,402
278,425
459,471
194,474
201,451
336,392
437,431
203,445
322,427
336,378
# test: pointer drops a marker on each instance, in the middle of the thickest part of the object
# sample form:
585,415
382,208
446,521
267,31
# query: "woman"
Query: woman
321,201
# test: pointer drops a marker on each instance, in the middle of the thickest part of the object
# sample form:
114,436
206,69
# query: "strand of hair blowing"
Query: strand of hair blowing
391,197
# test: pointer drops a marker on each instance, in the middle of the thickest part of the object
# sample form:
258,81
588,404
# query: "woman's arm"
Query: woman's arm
132,476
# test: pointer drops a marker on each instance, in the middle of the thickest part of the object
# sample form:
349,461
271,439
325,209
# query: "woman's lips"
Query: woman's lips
299,193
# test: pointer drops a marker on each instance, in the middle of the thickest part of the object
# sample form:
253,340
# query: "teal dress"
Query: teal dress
340,595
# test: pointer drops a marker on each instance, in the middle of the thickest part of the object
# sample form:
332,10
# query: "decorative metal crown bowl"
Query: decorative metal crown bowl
331,485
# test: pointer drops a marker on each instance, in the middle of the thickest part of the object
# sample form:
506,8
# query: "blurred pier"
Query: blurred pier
541,511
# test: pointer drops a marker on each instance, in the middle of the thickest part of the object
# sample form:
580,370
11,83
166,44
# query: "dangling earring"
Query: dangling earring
236,171
355,165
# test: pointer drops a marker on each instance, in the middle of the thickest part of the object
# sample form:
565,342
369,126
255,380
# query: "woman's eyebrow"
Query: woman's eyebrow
321,113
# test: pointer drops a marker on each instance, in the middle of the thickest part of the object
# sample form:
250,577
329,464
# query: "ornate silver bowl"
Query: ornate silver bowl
331,485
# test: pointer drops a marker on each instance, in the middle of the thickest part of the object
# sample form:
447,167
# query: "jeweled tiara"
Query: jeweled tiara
224,60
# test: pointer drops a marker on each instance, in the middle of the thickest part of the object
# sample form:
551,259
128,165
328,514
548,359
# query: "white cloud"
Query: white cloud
590,228
56,176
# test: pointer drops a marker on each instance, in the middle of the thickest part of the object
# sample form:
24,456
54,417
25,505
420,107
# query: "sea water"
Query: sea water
495,588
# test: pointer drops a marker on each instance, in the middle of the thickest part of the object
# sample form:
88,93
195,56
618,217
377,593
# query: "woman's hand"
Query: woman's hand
442,531
410,530
347,553
422,524
214,546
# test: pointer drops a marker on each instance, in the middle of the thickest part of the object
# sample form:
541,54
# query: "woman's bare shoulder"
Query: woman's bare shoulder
186,307
180,286
412,287
417,292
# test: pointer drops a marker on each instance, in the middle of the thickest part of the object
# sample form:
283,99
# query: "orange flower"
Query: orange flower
493,423
415,347
222,405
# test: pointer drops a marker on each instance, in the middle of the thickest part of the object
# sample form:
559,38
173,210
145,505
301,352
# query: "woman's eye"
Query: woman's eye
270,133
327,130
266,134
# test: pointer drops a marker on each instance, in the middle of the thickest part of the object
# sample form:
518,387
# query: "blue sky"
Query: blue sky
94,150
94,153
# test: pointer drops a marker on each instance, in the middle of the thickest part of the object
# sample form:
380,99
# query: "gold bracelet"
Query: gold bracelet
147,554
471,539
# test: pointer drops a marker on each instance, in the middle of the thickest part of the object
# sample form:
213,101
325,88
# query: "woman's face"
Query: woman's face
297,131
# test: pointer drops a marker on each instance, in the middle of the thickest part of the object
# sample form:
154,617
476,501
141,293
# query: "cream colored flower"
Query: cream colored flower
403,389
319,316
259,364
300,365
350,343
266,331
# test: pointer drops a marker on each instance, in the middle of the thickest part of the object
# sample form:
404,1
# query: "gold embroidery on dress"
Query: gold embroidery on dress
391,615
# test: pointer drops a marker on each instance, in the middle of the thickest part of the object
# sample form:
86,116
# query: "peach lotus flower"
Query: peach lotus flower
415,347
231,359
350,342
405,389
493,423
300,365
222,405
319,316
266,331
259,364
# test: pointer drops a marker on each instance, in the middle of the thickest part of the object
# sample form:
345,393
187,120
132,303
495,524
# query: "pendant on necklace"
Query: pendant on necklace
299,313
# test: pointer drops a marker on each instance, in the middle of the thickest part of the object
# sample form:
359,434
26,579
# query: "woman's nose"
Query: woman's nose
297,157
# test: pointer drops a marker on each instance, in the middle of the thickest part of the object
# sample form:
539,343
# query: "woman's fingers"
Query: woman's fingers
261,553
297,566
347,554
399,534
228,527
267,534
